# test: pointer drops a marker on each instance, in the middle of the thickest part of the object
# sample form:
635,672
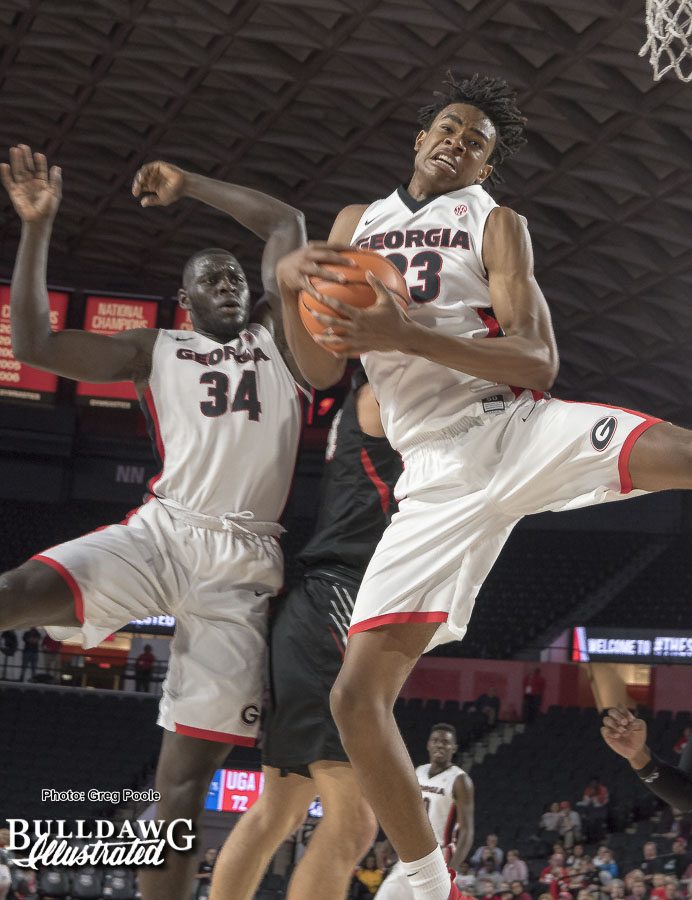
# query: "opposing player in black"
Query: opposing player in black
303,756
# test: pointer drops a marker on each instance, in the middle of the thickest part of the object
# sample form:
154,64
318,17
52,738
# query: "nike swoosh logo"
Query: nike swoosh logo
368,221
185,338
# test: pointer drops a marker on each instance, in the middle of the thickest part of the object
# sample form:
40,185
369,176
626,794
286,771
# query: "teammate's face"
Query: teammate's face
217,294
441,748
454,152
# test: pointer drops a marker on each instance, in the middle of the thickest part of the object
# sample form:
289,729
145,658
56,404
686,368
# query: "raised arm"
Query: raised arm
464,801
35,194
526,356
320,367
280,226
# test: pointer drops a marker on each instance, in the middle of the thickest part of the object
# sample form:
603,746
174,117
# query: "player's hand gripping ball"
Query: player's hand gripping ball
355,290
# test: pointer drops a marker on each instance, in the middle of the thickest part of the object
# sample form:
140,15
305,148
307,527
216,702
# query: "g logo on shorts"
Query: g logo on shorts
250,714
602,432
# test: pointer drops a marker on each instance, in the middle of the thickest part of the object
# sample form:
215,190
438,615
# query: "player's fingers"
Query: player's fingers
151,200
6,176
376,284
319,271
326,245
17,164
309,288
27,157
346,312
331,322
55,178
619,716
41,166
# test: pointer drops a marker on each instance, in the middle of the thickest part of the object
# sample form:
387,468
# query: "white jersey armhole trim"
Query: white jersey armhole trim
483,223
269,337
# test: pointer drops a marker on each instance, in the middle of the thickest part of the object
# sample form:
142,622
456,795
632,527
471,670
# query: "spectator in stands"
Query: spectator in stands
466,879
547,829
569,825
576,854
369,876
681,743
639,890
630,878
8,646
489,704
32,641
534,685
672,889
51,656
616,889
144,666
490,844
486,889
555,877
651,863
488,870
606,865
504,892
519,891
205,869
658,886
515,869
674,824
679,860
594,809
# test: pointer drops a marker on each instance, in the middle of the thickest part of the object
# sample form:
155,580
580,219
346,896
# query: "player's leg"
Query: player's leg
346,832
661,459
376,665
35,594
185,769
248,850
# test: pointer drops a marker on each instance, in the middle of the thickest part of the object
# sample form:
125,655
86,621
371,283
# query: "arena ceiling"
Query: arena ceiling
315,101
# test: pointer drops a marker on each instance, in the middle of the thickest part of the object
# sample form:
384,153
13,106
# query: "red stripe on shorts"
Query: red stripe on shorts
371,472
398,618
69,581
630,440
221,736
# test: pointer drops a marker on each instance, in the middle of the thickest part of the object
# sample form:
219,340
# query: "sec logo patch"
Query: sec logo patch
461,209
602,432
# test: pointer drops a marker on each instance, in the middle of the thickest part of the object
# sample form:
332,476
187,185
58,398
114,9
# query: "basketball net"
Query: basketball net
669,43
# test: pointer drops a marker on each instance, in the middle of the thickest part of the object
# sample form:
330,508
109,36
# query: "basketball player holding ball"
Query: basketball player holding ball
461,379
222,406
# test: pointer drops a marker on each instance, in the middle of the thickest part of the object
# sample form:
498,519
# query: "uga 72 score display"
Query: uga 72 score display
234,790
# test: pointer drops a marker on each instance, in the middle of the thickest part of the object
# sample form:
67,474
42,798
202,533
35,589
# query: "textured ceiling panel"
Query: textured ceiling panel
316,101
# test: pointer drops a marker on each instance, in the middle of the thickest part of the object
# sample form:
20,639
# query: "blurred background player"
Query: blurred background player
302,753
223,407
449,802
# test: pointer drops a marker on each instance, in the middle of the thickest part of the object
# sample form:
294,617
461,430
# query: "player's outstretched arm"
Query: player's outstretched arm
35,193
464,802
625,733
279,225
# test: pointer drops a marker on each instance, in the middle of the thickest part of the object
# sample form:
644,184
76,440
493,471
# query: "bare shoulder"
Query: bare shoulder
345,223
142,339
463,785
506,237
368,412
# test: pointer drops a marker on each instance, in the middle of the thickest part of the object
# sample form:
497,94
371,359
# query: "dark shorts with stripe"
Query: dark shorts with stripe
306,647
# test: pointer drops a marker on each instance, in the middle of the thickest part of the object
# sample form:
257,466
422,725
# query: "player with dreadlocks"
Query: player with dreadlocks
478,453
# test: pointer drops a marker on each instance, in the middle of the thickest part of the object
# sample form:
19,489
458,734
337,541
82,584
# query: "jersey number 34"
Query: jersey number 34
219,401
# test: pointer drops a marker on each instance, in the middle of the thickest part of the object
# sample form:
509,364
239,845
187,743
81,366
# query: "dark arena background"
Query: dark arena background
315,103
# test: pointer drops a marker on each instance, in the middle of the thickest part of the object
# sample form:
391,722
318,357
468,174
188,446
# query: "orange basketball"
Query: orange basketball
356,290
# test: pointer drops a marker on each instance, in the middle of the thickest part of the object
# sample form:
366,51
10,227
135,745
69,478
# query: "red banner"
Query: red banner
17,380
182,320
111,315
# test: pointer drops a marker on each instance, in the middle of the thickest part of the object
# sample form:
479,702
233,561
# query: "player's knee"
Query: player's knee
182,798
355,826
352,703
277,818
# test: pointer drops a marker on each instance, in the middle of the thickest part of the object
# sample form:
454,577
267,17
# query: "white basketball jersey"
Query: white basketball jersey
437,244
226,421
438,796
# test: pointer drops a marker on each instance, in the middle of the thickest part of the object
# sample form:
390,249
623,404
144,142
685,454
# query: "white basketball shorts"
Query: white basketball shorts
216,583
461,494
